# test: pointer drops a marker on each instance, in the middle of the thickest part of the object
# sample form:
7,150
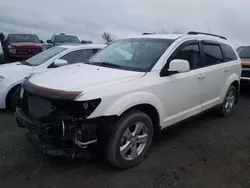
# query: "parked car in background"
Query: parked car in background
61,39
244,53
21,46
122,96
12,74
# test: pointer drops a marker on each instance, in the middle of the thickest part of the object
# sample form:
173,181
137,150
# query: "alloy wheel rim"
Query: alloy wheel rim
133,141
230,99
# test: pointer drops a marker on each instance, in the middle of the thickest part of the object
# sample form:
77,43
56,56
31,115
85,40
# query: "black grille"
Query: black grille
48,110
34,105
245,73
245,66
24,51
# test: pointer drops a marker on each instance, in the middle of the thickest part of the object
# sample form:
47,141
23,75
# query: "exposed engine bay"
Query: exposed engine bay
57,121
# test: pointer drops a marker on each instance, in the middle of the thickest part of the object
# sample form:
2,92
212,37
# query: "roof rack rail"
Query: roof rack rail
197,33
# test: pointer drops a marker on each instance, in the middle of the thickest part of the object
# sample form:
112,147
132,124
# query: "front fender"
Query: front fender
230,80
132,99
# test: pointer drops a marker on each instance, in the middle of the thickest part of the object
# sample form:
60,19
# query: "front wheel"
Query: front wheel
229,102
131,140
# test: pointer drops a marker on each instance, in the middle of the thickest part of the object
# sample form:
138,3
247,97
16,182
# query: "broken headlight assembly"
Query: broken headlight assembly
90,106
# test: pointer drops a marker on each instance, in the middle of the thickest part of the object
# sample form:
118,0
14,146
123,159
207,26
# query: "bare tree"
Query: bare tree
107,37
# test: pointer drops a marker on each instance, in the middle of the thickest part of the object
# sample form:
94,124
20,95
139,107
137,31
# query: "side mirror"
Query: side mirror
179,65
49,41
60,62
41,41
86,42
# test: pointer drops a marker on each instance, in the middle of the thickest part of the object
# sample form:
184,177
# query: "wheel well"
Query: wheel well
9,94
237,86
152,112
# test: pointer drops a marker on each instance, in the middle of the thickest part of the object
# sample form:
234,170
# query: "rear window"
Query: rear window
244,52
229,54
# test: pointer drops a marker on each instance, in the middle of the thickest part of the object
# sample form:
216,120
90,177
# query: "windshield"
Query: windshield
132,54
24,38
44,56
66,39
244,52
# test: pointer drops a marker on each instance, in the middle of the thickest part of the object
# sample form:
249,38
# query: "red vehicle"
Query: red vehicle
21,46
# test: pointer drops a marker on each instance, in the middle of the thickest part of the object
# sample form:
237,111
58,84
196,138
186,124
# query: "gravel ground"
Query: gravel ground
205,152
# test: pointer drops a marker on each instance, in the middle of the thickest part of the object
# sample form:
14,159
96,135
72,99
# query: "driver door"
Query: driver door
182,90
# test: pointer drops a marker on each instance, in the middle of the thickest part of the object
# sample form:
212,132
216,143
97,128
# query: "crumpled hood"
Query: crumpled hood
26,44
82,77
12,69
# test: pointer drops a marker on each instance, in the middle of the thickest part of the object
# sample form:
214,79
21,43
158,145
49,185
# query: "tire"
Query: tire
13,97
130,140
229,102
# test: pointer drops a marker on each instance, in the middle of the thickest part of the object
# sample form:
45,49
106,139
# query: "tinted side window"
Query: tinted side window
191,53
78,56
213,54
228,52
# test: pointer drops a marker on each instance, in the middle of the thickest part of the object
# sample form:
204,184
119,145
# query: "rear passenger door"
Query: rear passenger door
215,71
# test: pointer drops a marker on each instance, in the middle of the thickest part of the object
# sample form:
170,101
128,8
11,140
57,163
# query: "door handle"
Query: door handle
227,70
202,76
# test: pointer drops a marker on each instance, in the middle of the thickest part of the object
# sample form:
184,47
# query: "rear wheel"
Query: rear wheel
229,102
131,139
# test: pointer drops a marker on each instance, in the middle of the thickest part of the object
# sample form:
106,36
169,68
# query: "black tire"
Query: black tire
13,97
113,153
223,111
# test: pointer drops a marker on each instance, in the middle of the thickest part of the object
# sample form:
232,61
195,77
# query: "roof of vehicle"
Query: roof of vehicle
63,34
160,36
185,36
84,46
21,34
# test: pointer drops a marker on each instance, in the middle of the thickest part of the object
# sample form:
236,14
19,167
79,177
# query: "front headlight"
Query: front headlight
90,106
12,50
1,78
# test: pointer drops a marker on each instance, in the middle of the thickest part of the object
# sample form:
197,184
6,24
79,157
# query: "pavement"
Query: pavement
205,152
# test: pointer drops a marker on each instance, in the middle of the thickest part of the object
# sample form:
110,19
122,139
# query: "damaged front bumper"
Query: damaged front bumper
64,135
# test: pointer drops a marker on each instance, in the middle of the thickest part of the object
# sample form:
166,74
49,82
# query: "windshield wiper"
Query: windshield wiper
106,64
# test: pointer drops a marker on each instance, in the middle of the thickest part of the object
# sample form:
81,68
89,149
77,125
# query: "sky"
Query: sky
88,19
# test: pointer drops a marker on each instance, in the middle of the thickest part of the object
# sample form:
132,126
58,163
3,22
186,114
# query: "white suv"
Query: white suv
125,93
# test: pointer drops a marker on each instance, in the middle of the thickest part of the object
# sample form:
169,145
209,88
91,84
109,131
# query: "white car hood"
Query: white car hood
82,77
12,69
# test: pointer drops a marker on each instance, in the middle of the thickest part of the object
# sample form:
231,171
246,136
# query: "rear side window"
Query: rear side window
228,52
213,54
78,56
